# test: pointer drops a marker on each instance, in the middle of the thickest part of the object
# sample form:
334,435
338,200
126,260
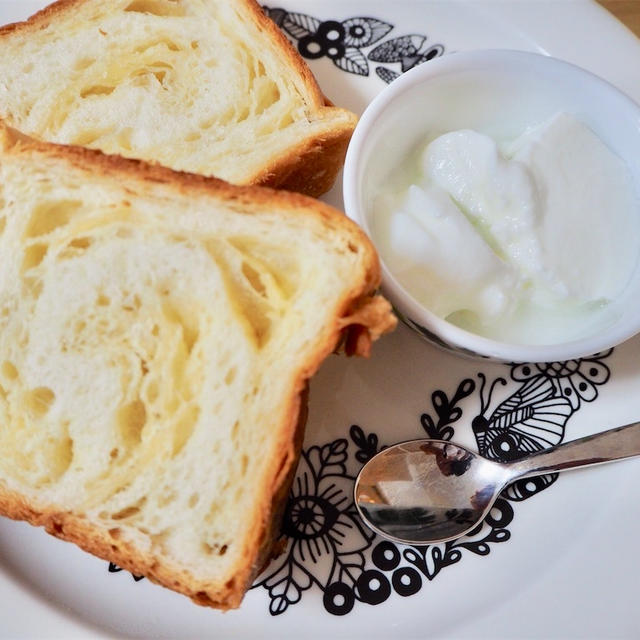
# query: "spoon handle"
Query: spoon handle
615,444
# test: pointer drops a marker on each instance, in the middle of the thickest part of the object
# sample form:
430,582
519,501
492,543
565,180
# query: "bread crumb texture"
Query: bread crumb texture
154,340
206,86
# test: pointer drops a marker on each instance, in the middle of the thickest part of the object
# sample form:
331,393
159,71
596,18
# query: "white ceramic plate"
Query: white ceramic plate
560,563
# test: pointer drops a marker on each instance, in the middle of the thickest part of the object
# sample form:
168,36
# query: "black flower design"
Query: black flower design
344,42
325,533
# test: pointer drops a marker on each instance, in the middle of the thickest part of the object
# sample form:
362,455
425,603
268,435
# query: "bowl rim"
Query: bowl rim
460,339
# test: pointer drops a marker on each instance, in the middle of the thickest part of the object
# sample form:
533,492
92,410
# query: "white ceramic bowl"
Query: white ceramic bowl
499,93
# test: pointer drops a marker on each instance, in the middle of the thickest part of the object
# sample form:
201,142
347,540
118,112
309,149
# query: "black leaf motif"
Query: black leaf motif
285,587
480,548
398,49
446,410
465,389
300,25
367,445
429,426
353,61
277,15
388,75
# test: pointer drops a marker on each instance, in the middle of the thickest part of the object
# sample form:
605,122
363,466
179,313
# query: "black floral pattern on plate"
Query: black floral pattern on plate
362,567
346,42
329,548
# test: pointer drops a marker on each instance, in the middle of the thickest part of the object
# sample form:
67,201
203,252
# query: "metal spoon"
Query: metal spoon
430,491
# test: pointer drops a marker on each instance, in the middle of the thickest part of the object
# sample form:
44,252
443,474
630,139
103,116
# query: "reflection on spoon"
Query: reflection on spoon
429,491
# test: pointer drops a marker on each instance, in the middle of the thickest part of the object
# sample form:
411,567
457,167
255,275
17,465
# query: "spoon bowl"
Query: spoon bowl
430,491
423,491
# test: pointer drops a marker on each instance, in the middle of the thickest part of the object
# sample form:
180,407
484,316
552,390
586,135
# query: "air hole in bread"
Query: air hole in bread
132,304
127,512
103,301
89,136
159,64
9,371
80,243
28,68
193,137
286,120
84,63
33,255
33,287
156,7
244,464
195,45
115,532
184,427
38,401
180,316
213,511
124,139
114,453
160,76
166,499
235,430
152,392
203,599
268,95
48,216
230,377
254,279
209,549
132,418
169,44
243,114
60,456
3,220
97,90
193,500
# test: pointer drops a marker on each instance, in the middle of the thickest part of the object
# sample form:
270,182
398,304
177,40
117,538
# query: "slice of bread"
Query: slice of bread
157,331
206,86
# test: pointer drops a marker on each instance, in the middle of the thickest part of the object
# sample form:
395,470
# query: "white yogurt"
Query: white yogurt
523,242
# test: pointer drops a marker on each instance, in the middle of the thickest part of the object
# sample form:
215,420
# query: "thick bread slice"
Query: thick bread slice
206,86
157,331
